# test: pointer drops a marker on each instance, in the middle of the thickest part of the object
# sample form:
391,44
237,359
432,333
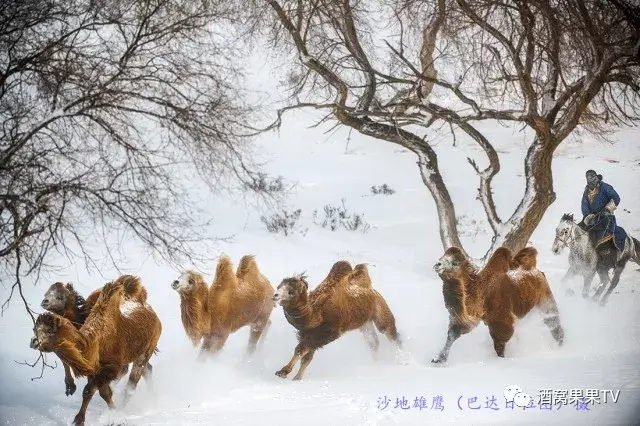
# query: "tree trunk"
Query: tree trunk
432,179
538,196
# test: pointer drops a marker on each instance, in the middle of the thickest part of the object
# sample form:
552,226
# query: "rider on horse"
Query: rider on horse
599,201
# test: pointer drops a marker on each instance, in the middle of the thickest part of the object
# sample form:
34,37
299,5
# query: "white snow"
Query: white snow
343,384
128,306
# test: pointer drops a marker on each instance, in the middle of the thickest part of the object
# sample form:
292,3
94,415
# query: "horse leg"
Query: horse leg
453,333
87,393
371,337
604,281
570,274
617,271
588,279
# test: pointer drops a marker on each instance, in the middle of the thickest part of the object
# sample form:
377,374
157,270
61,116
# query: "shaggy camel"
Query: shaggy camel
344,301
64,300
234,300
505,290
117,332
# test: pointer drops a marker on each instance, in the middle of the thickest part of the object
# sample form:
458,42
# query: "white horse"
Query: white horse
585,260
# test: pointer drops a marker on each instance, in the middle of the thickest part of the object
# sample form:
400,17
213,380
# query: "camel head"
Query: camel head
45,332
291,290
453,264
56,297
187,281
563,233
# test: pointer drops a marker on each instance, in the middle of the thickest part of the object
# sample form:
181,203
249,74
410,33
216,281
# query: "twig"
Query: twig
42,357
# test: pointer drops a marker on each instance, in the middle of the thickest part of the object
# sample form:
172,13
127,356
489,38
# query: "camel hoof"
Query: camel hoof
281,373
438,361
78,421
70,389
585,295
603,303
296,379
570,292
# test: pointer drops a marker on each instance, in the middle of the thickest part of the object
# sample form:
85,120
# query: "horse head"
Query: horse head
563,233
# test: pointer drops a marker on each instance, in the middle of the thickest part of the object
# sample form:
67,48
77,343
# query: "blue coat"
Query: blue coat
605,194
605,227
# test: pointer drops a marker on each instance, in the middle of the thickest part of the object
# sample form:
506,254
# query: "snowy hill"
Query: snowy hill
343,385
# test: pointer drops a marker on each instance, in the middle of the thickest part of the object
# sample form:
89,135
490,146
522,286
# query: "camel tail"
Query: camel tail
527,259
360,276
224,273
247,266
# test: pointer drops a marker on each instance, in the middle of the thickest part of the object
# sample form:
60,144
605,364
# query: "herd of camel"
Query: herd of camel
100,336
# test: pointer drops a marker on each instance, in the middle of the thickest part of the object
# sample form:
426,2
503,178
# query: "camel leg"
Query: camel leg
371,338
453,333
211,344
299,352
385,321
304,363
603,274
549,309
141,367
258,329
107,394
501,332
87,393
147,374
70,386
614,283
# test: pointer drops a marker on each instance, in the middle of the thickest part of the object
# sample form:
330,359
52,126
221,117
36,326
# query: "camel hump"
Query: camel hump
339,270
133,288
360,276
527,259
224,272
499,261
247,266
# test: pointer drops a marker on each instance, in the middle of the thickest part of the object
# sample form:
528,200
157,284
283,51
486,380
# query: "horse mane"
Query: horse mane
567,217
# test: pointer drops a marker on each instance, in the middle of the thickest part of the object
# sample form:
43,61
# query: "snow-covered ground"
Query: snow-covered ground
343,385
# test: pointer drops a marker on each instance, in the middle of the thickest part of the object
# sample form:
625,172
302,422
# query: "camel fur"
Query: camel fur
344,301
118,331
64,299
505,290
234,300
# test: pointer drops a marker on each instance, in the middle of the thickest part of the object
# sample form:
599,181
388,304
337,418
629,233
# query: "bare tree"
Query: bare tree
109,111
391,70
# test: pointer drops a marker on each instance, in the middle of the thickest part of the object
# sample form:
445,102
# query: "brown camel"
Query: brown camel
64,300
505,290
343,302
117,332
234,300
